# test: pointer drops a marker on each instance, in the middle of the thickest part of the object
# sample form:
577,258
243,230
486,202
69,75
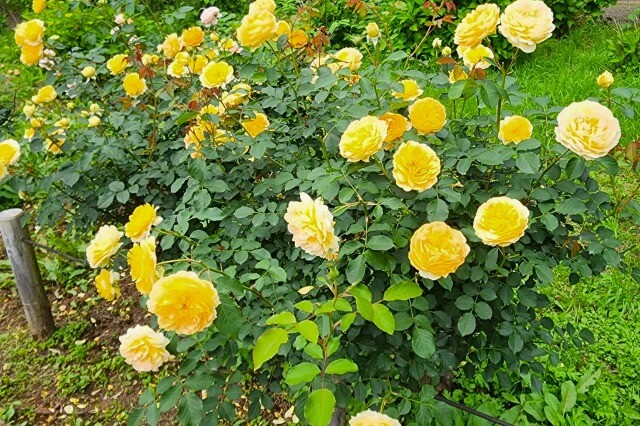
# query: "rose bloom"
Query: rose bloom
396,126
473,57
372,30
348,57
177,70
478,24
501,221
437,250
415,166
258,5
62,123
588,129
372,418
149,59
298,39
256,125
29,110
105,284
216,74
29,33
54,147
209,16
45,94
311,224
140,222
183,302
133,85
192,37
256,28
104,245
605,80
427,115
282,28
119,19
437,43
93,121
143,263
29,133
171,45
30,55
410,90
9,155
144,349
197,64
88,72
527,23
118,63
515,129
362,139
38,5
457,74
36,123
182,58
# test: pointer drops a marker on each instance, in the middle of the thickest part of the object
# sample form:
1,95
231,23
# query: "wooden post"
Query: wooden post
27,275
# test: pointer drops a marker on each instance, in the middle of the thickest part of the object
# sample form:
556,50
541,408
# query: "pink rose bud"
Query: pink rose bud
119,19
209,16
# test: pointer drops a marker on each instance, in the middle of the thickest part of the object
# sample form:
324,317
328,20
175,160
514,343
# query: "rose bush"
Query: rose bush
329,231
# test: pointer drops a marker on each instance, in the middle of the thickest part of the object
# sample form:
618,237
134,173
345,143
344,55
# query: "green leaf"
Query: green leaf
304,306
347,320
456,89
437,210
170,397
402,291
571,206
301,373
383,318
423,343
528,162
267,345
341,366
319,408
355,269
569,396
229,319
243,212
380,243
283,318
309,330
467,324
190,410
135,417
483,310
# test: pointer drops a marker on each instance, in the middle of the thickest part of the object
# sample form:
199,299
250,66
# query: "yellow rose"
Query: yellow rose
144,349
45,94
182,58
282,28
298,39
501,221
36,123
118,63
133,85
216,74
348,57
54,147
396,126
515,129
103,246
192,37
94,108
29,133
373,30
9,155
88,72
415,166
197,64
142,263
30,55
427,115
473,57
446,51
372,418
62,123
588,129
311,224
38,5
183,302
256,28
171,45
362,139
105,284
410,90
177,70
93,121
149,59
256,125
605,80
437,250
258,5
29,33
527,23
457,74
478,24
141,221
29,110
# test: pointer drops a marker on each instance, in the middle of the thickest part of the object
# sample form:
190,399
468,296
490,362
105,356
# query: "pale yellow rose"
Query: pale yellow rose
588,129
38,5
45,94
427,115
171,45
118,63
605,80
192,37
258,5
133,85
396,126
481,22
105,284
149,59
256,125
63,123
410,90
144,349
30,55
474,57
216,74
311,224
9,155
197,64
348,58
298,39
29,110
446,51
177,70
362,139
256,28
29,133
141,221
103,246
415,166
29,33
88,72
183,303
527,23
182,58
95,108
142,262
372,30
372,418
437,250
93,121
515,129
501,221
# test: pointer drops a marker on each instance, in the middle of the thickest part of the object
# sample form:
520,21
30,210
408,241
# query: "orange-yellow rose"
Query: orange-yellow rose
311,224
437,250
427,115
142,263
45,94
362,139
256,125
415,166
478,24
9,155
29,33
141,221
396,126
256,28
515,129
298,39
38,5
192,37
410,90
144,349
30,55
527,23
133,85
501,221
118,63
216,74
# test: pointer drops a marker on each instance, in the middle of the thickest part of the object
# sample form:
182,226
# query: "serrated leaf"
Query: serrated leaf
190,410
383,318
355,269
319,407
283,318
423,343
301,373
402,291
380,243
268,345
341,366
309,330
467,324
